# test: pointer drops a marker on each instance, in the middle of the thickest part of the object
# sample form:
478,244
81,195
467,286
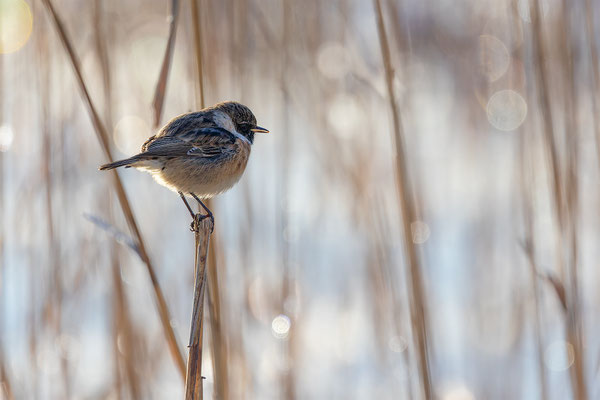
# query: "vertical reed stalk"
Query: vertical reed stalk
574,322
220,355
161,86
408,214
547,126
591,39
566,226
288,374
102,136
123,329
5,385
56,290
219,344
526,182
193,381
529,246
198,48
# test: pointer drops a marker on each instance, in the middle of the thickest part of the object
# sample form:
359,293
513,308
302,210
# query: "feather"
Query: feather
208,142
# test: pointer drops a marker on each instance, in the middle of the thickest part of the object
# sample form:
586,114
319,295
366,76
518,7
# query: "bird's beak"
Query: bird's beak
258,129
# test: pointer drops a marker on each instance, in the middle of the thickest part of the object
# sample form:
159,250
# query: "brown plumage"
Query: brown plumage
201,153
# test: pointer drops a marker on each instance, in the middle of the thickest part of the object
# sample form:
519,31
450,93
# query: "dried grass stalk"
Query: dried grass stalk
198,45
193,381
591,39
102,136
161,85
219,345
564,187
408,214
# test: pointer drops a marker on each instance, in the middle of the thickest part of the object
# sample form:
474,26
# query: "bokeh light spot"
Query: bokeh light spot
506,110
6,137
493,57
16,23
333,60
559,356
420,232
397,344
281,326
130,133
457,391
345,115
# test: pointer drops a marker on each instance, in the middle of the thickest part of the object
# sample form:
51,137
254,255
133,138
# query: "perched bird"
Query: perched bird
200,154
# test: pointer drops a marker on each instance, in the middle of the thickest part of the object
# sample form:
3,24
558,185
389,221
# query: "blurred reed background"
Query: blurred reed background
465,268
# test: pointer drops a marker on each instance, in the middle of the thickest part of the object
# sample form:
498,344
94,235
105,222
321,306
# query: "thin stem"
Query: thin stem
220,355
407,208
161,85
565,195
193,382
198,44
590,29
102,136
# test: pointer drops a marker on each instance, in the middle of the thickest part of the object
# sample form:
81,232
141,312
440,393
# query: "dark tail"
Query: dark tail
117,164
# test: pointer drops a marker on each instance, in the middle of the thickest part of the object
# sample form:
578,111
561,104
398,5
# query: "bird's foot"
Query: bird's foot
198,218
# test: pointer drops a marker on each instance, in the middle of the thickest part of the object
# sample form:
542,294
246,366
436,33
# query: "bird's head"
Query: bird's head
242,118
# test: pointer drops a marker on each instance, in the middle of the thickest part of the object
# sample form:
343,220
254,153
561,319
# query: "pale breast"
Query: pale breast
205,177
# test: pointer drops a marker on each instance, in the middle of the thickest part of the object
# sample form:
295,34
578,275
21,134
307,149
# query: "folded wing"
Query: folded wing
203,142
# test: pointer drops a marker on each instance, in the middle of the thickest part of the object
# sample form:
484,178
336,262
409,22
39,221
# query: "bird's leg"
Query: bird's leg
190,210
209,213
186,204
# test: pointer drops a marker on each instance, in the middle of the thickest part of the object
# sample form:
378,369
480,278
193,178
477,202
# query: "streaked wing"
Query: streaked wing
183,125
166,146
203,142
205,151
186,122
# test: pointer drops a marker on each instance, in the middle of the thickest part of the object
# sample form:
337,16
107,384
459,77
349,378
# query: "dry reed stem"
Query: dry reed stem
526,182
124,329
102,136
198,46
161,86
288,374
220,354
547,125
384,283
56,291
219,345
407,212
100,32
193,381
529,248
590,29
5,385
565,227
574,323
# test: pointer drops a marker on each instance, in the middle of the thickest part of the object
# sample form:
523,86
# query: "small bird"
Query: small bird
201,153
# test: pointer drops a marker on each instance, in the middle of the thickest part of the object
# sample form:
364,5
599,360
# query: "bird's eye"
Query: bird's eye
245,125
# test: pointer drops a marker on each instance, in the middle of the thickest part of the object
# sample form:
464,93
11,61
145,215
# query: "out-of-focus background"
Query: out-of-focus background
451,254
